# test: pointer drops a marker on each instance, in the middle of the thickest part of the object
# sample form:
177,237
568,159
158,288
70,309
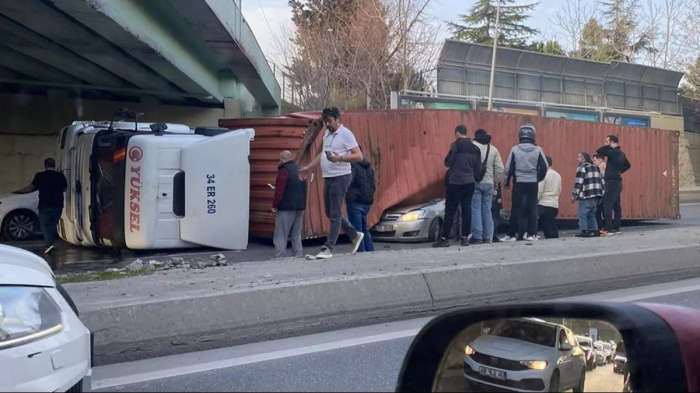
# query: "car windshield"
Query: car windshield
531,332
598,347
584,344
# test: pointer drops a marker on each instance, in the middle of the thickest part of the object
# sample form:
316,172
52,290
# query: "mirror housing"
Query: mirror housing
566,347
654,358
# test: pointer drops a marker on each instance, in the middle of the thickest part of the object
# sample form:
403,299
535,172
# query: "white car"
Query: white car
44,347
19,215
525,354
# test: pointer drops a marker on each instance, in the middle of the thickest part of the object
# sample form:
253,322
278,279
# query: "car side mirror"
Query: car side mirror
566,347
520,352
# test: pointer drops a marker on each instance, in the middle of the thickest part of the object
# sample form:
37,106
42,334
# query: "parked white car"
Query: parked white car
19,215
44,347
526,354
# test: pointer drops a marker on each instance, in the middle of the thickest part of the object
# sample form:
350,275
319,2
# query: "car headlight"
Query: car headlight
535,364
26,314
469,351
413,216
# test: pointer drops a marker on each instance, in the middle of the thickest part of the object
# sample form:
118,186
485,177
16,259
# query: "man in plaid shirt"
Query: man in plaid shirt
588,191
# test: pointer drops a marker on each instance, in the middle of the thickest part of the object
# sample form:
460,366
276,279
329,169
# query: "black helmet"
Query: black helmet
527,133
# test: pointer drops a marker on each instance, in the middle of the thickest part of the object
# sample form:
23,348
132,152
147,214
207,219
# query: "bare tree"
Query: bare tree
571,19
664,27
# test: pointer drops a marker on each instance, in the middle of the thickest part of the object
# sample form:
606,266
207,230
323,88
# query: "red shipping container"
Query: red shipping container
407,149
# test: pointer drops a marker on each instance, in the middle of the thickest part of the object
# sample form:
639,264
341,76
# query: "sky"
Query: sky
266,17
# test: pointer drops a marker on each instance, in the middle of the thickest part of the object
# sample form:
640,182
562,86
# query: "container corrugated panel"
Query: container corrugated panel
407,149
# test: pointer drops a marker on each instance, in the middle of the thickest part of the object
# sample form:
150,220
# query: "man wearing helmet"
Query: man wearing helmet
527,166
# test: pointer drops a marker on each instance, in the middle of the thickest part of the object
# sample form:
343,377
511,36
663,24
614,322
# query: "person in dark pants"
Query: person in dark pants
289,203
527,166
600,163
339,150
464,170
617,164
548,194
359,200
51,185
496,212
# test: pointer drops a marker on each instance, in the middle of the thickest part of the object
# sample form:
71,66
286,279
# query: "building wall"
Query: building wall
687,174
693,146
30,124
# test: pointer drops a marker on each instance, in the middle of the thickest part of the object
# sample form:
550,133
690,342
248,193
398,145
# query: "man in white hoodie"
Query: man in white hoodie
548,202
493,170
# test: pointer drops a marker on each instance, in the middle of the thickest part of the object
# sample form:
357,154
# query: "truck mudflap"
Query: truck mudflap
217,190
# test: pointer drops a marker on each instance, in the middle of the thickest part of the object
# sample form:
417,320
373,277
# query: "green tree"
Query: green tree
548,47
594,43
480,23
692,76
623,38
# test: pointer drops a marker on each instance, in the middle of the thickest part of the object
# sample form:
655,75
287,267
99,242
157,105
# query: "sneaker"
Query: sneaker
324,254
616,232
475,241
595,233
531,238
357,241
509,239
49,249
583,234
441,243
603,232
495,240
465,241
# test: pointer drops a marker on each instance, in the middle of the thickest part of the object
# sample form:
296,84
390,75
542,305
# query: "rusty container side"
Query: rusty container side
407,150
272,136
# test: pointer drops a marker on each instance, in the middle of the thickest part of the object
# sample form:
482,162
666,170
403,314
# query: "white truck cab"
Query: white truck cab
132,187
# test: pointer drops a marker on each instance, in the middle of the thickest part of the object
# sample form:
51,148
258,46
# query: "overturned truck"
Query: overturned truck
407,149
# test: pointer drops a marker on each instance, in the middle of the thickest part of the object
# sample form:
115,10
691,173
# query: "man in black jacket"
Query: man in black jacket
289,204
359,200
464,170
616,166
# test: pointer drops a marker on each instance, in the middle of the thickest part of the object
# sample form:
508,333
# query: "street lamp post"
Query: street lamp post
493,56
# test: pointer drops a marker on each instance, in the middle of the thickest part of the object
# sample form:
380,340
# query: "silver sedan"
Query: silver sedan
416,223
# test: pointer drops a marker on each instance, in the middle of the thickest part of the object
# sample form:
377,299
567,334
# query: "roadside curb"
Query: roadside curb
689,195
206,319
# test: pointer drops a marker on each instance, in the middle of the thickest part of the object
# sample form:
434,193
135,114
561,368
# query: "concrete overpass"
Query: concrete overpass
189,61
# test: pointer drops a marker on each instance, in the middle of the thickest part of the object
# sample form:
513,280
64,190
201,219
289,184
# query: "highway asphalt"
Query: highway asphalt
360,359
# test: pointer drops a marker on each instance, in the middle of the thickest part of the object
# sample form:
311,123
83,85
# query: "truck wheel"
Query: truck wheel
19,225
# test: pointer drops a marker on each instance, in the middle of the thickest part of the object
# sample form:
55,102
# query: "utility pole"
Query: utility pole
493,56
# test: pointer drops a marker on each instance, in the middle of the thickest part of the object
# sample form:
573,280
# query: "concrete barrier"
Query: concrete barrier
176,312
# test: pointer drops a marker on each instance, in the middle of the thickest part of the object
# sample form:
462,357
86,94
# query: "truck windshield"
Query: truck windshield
107,174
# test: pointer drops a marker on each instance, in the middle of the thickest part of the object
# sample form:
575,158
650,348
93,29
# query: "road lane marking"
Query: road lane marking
244,360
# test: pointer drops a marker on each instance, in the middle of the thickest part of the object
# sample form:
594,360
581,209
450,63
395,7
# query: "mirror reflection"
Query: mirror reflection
535,354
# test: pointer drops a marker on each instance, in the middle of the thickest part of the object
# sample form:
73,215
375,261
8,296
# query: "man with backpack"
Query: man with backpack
482,201
359,200
526,166
464,170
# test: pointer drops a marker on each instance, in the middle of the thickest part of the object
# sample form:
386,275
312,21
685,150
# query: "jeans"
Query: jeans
482,220
525,199
457,194
288,226
586,214
357,214
548,221
599,215
48,219
611,204
334,191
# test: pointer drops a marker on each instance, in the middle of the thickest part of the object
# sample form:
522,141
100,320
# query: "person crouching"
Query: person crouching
588,191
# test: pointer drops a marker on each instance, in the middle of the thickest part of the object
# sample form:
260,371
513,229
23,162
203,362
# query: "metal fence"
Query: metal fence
286,83
464,70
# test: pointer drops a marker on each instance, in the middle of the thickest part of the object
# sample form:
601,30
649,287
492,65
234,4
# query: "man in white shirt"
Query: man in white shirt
339,149
548,193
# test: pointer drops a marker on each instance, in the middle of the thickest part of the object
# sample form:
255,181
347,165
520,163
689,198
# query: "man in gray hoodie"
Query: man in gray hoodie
527,166
492,168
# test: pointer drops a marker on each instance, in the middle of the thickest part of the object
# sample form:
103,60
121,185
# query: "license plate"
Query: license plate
491,373
384,228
